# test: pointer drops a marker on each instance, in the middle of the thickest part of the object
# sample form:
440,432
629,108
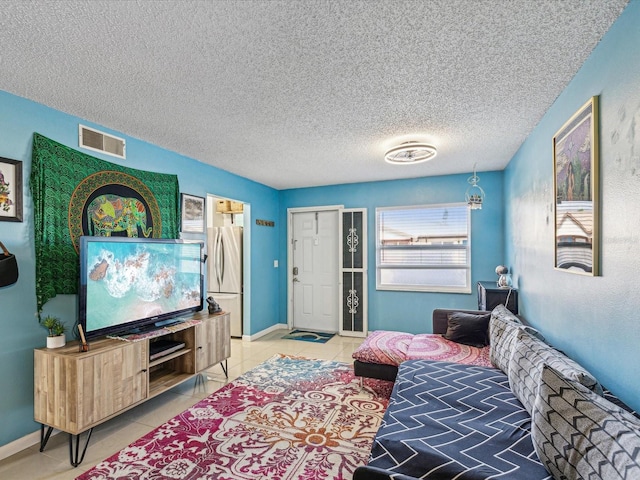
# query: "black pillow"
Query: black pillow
468,328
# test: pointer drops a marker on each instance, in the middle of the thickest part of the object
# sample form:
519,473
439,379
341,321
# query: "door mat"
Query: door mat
316,337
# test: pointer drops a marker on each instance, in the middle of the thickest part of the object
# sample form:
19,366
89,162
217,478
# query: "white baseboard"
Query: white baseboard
21,443
272,328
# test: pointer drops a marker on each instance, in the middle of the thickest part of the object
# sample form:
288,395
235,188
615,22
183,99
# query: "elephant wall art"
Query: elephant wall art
107,214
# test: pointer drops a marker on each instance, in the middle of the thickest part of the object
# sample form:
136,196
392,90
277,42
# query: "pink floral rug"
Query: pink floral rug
289,418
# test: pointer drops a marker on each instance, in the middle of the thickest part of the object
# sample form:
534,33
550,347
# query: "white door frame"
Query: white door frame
290,212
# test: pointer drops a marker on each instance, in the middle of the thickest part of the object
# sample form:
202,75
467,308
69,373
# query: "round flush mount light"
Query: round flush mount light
410,153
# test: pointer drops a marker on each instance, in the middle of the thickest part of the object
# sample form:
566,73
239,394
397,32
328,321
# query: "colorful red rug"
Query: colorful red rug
289,418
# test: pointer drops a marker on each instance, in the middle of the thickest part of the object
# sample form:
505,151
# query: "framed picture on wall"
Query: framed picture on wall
192,218
10,190
575,182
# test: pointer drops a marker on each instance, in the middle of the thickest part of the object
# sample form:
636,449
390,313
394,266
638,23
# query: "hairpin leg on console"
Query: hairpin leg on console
201,378
73,456
44,438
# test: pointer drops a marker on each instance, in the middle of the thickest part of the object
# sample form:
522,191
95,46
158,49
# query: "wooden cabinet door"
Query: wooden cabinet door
204,340
222,326
112,381
76,391
213,338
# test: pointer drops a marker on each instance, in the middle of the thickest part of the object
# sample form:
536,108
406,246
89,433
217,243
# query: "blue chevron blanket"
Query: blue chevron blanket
453,421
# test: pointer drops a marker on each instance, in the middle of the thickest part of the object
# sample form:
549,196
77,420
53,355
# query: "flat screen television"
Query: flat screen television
127,284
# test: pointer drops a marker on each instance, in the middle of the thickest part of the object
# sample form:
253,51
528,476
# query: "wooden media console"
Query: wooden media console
76,391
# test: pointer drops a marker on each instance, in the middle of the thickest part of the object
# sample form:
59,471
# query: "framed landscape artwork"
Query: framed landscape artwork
575,181
192,209
10,190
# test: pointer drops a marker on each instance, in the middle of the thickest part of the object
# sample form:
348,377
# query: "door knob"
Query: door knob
295,279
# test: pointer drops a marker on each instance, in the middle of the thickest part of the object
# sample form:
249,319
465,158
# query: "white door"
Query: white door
315,270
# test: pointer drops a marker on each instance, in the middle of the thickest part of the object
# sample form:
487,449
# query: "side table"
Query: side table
490,295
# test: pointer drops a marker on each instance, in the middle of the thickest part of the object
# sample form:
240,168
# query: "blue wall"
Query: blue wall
409,311
596,320
19,119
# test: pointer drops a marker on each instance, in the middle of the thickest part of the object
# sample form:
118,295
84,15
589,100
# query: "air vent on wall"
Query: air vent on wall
101,142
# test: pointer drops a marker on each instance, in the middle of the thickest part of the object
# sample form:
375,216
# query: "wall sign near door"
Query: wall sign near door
266,223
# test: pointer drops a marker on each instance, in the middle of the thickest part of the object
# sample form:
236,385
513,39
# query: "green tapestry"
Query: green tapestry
75,194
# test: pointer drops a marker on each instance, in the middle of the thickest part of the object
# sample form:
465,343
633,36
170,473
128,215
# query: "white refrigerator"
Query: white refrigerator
224,246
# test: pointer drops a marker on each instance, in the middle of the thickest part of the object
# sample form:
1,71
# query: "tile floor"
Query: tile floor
112,436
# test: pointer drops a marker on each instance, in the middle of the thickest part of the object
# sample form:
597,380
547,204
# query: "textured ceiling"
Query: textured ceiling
310,92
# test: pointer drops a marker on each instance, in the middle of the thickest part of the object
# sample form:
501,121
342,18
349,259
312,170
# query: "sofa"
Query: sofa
533,414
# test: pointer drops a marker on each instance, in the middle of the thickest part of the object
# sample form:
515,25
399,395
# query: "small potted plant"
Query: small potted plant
56,328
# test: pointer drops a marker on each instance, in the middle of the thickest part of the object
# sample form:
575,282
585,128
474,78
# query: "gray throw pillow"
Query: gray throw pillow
468,328
525,368
503,328
578,434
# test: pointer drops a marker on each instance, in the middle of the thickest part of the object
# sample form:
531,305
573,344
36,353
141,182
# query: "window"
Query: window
424,248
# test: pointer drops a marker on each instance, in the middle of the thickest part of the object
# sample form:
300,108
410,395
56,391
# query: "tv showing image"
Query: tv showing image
128,283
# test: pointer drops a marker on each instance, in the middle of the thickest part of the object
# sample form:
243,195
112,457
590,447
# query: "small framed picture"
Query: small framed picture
10,190
192,218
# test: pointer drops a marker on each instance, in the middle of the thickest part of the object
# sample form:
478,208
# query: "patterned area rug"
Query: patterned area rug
289,418
316,337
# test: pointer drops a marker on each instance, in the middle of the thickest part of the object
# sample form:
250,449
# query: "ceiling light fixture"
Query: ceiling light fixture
410,153
475,193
